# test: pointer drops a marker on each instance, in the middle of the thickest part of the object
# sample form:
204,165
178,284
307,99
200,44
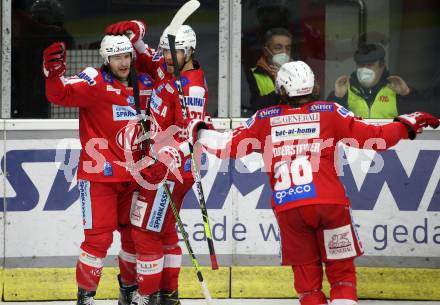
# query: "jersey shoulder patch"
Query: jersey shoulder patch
342,111
249,122
145,79
321,106
268,112
89,74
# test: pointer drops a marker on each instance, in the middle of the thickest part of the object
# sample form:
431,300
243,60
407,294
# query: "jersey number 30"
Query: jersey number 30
295,172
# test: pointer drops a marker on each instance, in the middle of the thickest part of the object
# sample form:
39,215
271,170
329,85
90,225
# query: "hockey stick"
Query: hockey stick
145,131
185,11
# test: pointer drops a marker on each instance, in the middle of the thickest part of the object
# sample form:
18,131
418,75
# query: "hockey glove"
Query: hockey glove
54,60
155,174
415,122
192,126
134,29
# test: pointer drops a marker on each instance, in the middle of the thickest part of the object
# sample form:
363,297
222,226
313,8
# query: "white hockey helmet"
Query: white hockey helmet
115,44
296,78
185,39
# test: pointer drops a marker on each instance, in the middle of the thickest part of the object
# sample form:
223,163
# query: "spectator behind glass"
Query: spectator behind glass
370,91
32,32
276,52
428,98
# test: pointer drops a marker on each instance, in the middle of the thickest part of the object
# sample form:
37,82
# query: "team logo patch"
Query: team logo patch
159,209
321,108
123,113
267,113
294,193
107,77
339,243
343,111
249,122
130,100
294,118
295,132
183,81
384,99
137,212
129,138
145,79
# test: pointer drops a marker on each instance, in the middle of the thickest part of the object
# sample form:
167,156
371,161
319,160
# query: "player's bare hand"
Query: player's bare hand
341,86
398,85
273,71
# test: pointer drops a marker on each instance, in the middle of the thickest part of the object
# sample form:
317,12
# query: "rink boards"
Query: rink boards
396,210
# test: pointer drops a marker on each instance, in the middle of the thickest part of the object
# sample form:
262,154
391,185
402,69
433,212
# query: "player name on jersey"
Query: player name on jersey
290,150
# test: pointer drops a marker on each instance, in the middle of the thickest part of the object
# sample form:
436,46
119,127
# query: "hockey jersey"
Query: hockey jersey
299,149
108,127
165,107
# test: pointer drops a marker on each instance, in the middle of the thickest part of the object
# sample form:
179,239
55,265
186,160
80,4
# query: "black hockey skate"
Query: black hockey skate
126,293
152,299
85,297
169,298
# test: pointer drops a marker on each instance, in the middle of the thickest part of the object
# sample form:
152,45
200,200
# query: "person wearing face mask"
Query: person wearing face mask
370,91
276,52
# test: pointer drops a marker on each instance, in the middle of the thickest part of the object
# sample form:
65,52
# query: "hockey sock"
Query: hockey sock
149,270
88,271
127,268
171,268
308,283
342,278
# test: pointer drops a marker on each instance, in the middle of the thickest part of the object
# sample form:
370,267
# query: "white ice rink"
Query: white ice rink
237,302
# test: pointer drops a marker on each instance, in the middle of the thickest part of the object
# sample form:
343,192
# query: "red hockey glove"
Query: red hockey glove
134,29
192,126
54,60
154,174
416,121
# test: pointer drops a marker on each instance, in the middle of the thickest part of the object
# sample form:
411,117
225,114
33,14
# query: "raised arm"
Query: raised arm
72,91
381,137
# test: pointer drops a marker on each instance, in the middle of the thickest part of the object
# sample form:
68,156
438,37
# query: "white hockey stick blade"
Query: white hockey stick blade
206,293
182,14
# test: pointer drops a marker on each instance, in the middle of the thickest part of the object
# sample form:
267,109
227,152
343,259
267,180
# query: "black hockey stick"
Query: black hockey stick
174,26
146,131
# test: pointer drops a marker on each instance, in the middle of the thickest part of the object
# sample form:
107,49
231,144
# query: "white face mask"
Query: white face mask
280,59
366,76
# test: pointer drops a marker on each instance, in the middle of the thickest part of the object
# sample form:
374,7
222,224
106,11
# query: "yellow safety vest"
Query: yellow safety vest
264,82
383,107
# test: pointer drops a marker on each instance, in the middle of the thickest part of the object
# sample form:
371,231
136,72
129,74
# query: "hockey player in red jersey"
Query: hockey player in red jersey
158,253
108,129
298,140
